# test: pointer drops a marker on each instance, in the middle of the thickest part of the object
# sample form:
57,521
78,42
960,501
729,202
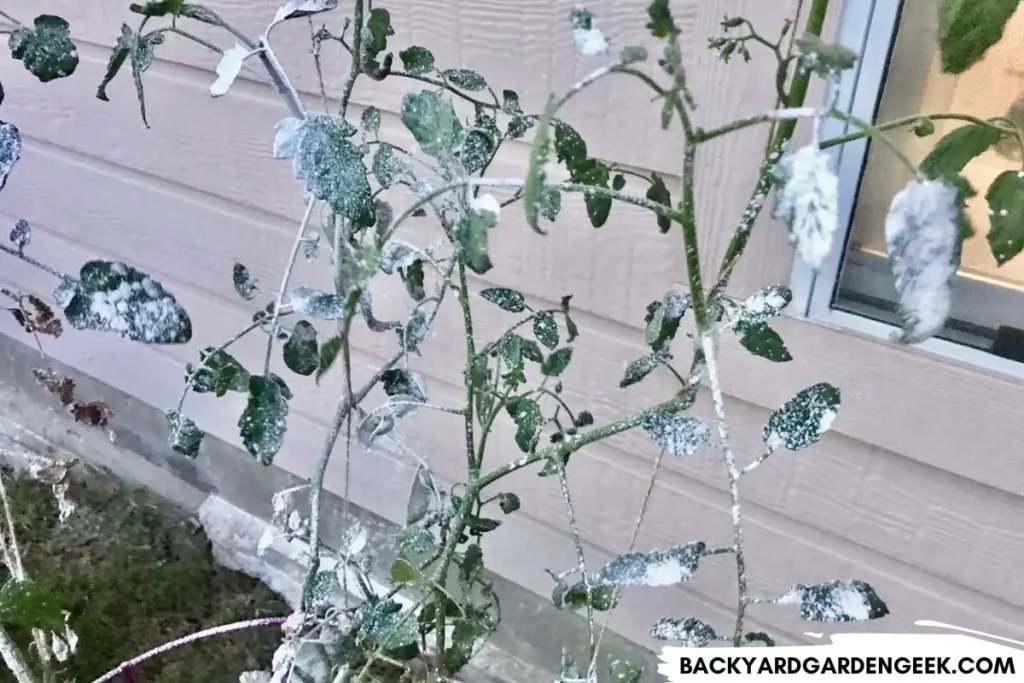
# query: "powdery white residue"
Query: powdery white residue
807,201
677,434
655,568
803,420
921,238
317,304
688,632
228,68
588,37
139,310
486,203
758,308
836,601
10,149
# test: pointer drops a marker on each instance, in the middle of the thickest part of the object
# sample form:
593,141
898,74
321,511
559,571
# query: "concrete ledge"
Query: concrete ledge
231,494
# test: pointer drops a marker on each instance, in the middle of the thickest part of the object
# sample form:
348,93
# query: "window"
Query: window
899,76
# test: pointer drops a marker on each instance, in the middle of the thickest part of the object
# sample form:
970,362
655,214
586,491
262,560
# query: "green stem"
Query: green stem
876,132
907,120
357,55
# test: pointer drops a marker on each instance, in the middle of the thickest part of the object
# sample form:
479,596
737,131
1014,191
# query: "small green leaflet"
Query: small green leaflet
658,192
301,353
30,604
803,420
677,434
264,421
402,571
328,353
601,598
217,373
417,60
653,568
533,190
545,329
141,51
955,150
1006,214
432,121
465,79
46,49
526,414
471,236
506,299
555,364
246,286
183,436
331,166
749,322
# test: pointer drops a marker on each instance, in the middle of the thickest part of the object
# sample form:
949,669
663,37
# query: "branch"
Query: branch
14,659
31,261
299,236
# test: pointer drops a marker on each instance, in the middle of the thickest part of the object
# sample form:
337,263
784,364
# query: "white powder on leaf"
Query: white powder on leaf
589,39
486,203
922,235
654,568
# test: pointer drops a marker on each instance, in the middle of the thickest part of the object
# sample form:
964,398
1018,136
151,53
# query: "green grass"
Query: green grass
136,572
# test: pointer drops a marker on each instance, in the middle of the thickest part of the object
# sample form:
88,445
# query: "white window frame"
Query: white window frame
868,27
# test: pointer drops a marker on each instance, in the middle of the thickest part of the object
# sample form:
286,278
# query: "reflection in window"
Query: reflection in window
986,296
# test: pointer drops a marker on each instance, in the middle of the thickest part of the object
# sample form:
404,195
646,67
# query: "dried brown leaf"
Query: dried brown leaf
94,413
61,386
35,315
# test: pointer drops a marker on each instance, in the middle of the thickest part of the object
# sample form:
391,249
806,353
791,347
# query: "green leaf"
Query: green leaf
465,79
526,414
472,238
183,435
414,540
403,571
1006,214
301,353
379,28
117,58
968,28
328,354
688,632
570,148
550,203
618,182
321,589
759,637
601,598
518,126
46,50
264,421
218,373
246,286
371,120
640,368
432,121
200,13
824,59
506,299
317,304
111,296
557,362
332,168
955,150
397,381
836,601
658,192
417,60
663,318
677,434
632,54
622,671
142,51
660,24
508,502
749,322
545,329
481,525
384,622
10,150
764,342
467,631
30,604
596,174
803,420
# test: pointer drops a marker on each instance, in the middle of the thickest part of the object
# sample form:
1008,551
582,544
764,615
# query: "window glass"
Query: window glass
986,296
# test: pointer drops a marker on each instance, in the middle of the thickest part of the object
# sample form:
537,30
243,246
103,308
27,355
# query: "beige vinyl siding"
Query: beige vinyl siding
917,490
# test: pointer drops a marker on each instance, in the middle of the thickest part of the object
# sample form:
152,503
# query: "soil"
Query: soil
136,572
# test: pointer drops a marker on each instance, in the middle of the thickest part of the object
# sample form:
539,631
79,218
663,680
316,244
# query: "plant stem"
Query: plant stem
14,659
876,133
907,120
201,635
299,236
581,560
357,54
708,346
31,261
467,331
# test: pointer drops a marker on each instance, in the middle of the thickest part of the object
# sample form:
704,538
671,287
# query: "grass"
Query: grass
136,572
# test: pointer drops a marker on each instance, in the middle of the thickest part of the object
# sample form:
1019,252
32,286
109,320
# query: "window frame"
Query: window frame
869,28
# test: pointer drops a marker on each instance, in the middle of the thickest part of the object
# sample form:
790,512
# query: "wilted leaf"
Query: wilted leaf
677,434
465,79
328,353
245,284
589,39
922,238
417,60
142,52
332,168
421,494
371,120
264,421
46,49
61,386
803,420
110,296
317,304
807,200
228,68
472,238
507,299
432,121
836,601
36,316
10,150
555,364
824,59
688,632
526,414
1006,214
508,502
296,9
122,49
397,382
658,192
183,435
968,28
21,234
301,353
653,568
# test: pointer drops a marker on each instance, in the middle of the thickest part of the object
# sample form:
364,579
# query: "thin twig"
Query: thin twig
580,556
14,659
9,18
299,237
31,261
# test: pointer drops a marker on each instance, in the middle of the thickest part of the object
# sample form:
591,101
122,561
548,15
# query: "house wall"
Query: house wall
917,489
